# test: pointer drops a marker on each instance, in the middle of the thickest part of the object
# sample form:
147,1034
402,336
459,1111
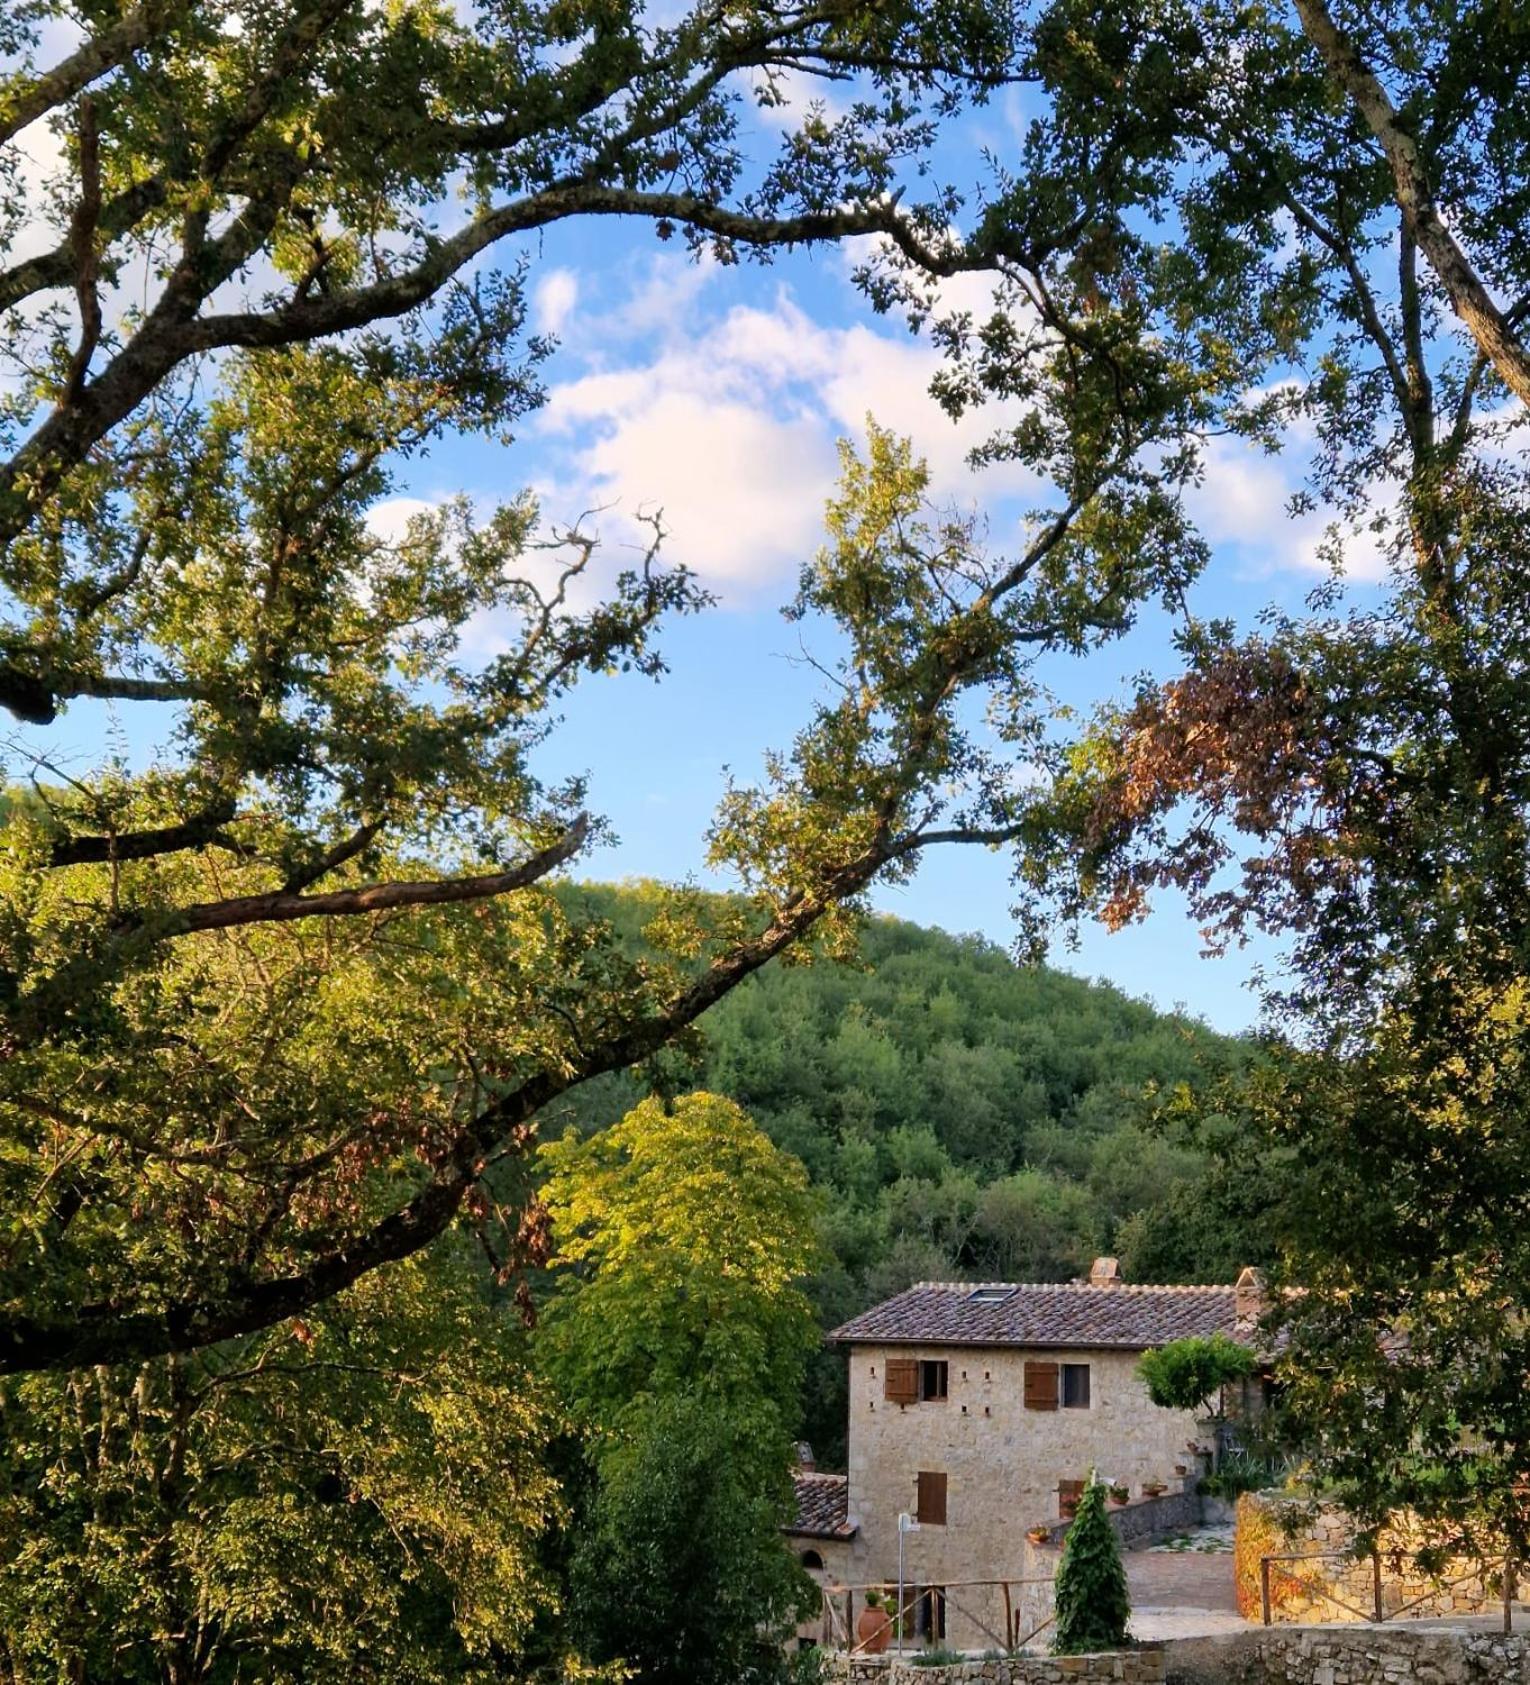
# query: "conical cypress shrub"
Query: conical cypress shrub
1092,1604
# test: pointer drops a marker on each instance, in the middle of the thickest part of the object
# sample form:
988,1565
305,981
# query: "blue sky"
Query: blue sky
717,395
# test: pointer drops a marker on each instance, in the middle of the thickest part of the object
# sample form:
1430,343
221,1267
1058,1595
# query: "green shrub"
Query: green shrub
1092,1602
1186,1374
1240,1471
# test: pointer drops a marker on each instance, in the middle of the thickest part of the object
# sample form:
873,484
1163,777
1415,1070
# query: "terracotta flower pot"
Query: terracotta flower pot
873,1628
1039,1535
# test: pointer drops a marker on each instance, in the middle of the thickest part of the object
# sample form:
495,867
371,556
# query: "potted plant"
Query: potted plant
1153,1488
1181,1469
873,1626
1119,1494
1039,1535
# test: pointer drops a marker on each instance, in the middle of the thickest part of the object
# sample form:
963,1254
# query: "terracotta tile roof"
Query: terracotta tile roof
823,1505
968,1313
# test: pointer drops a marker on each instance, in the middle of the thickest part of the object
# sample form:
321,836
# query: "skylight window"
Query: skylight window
990,1295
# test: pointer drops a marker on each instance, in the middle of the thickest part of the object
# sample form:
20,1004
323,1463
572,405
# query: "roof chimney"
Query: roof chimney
806,1463
1249,1298
1105,1272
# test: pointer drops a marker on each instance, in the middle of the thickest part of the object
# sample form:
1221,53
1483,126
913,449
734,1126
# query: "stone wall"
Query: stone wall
1334,1586
1143,1666
1147,1519
1397,1655
1002,1464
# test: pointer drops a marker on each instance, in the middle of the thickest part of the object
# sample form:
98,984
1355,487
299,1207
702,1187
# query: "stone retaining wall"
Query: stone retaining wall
1144,1666
1350,1656
1145,1520
1331,1586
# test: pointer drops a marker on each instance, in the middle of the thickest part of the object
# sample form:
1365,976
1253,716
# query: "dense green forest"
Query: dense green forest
963,1116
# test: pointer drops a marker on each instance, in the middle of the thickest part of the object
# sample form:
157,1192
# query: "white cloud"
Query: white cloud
728,426
1242,507
39,165
389,520
553,301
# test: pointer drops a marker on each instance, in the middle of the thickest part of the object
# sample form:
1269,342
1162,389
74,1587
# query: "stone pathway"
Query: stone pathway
1183,1587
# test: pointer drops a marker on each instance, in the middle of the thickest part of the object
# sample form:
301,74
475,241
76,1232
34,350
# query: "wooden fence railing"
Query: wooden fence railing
839,1603
1377,1614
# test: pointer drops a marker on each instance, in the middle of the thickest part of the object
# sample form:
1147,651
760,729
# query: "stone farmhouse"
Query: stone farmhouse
979,1409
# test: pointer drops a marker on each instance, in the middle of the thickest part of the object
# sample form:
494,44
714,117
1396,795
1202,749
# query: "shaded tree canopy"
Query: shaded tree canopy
183,521
1347,183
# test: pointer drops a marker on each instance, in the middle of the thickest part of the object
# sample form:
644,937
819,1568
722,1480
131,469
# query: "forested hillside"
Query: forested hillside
964,1116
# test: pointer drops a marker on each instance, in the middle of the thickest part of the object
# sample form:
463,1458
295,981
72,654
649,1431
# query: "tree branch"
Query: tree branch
347,849
82,246
281,906
337,312
143,845
34,698
1469,298
94,59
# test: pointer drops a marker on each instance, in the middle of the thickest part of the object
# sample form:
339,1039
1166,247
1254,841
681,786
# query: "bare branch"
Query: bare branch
143,845
347,849
35,698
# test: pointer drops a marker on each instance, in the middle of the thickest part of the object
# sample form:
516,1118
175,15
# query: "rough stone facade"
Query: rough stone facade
1002,1464
1397,1655
1129,1667
1333,1586
1269,1656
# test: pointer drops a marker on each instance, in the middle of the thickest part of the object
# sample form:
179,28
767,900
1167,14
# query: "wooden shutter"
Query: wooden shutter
930,1509
900,1383
1040,1386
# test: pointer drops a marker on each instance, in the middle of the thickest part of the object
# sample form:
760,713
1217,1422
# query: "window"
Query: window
913,1380
930,1505
811,1560
934,1379
990,1295
1040,1386
930,1613
900,1380
1075,1386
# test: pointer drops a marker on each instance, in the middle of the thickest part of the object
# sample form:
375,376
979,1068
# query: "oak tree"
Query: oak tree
252,289
1336,195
